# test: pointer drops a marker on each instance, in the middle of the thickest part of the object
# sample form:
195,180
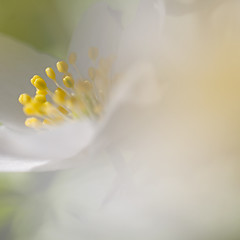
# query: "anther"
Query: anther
40,84
59,96
83,86
72,58
50,73
71,102
68,81
24,99
32,108
47,108
33,123
40,98
62,67
33,79
41,92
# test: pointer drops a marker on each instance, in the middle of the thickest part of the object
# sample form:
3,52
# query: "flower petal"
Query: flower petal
100,28
138,56
44,147
142,37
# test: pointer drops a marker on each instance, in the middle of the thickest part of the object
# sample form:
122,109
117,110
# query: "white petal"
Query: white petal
139,85
142,37
43,147
18,63
138,54
100,28
10,164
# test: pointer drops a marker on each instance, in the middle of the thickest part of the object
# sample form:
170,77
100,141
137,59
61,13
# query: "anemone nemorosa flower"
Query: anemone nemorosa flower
167,137
69,117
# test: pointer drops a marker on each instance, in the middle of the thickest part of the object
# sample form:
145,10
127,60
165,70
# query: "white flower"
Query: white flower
23,150
161,166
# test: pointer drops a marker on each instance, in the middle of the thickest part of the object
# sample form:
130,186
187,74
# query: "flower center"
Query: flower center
73,97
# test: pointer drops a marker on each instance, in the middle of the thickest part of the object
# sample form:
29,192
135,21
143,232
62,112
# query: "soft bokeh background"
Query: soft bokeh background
47,26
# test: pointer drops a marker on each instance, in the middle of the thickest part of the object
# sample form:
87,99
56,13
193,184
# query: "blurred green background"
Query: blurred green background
22,204
47,25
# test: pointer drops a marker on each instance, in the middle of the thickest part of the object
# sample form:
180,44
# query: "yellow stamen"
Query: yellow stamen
33,123
62,67
41,92
59,96
50,73
40,98
47,108
24,99
40,84
68,81
83,86
85,97
33,79
63,110
32,108
47,122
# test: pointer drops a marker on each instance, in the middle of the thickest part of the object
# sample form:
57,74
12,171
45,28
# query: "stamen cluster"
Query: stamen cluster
75,98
